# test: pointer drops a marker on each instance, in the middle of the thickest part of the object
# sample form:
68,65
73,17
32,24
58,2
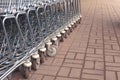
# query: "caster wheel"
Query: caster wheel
55,41
70,28
52,51
79,21
52,48
59,37
42,54
42,59
68,32
73,25
35,59
26,69
35,65
76,25
63,35
26,73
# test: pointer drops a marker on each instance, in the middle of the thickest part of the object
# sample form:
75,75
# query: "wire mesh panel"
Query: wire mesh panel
53,18
4,51
15,38
58,15
25,29
35,25
48,19
62,5
42,20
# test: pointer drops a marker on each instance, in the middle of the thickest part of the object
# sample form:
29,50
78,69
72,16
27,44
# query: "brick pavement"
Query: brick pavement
94,54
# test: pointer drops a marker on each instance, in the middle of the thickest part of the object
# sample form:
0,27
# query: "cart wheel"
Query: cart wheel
26,69
75,24
55,41
26,72
67,31
70,28
42,53
42,58
60,39
80,19
35,61
52,51
63,35
34,64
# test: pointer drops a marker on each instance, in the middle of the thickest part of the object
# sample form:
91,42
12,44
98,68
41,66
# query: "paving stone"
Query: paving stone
64,71
89,64
36,77
75,73
48,78
63,78
110,75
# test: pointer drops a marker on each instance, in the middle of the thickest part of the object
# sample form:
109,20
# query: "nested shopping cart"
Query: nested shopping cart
30,31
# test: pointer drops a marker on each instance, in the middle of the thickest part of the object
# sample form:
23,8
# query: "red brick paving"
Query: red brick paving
94,54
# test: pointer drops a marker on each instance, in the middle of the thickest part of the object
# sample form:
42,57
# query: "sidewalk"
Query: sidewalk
92,51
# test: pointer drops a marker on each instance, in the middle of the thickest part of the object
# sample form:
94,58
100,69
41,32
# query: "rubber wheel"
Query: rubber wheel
79,21
56,43
61,39
68,32
52,51
65,36
42,58
26,73
73,27
35,64
70,29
